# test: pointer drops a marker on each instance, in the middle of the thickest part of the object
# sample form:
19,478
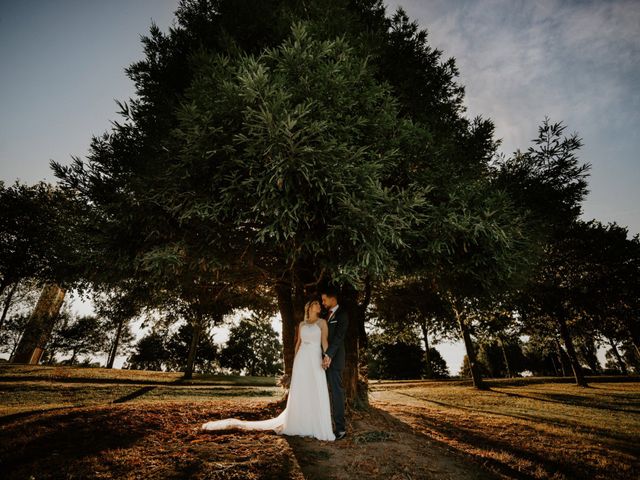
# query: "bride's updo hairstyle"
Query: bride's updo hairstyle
313,298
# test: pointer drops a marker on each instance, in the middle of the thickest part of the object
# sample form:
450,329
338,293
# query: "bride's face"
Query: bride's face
314,308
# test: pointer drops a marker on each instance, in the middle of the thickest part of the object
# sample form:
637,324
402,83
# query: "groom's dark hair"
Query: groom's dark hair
330,291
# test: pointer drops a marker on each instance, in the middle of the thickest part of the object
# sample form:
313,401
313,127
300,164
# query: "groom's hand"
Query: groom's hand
326,361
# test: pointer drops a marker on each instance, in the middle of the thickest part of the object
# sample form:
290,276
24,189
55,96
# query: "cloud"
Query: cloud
530,59
576,62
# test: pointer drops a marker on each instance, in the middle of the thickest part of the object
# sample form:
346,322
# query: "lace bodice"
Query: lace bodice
310,334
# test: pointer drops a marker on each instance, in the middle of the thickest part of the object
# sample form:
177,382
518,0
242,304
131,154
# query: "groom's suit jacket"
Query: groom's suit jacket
337,332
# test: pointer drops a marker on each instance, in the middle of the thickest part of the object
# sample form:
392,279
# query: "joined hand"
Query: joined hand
326,361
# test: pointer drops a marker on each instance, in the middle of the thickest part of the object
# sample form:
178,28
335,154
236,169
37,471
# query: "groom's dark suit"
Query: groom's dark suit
338,324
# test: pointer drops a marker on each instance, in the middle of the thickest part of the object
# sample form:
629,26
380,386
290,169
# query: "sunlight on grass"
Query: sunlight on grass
544,429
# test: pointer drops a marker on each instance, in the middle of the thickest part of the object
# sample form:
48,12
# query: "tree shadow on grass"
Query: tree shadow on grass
576,401
620,441
7,419
135,394
542,461
55,445
453,431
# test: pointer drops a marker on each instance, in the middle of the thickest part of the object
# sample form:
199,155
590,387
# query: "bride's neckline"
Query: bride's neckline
312,323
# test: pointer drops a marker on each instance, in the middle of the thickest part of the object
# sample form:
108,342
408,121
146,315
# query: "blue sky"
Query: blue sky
62,66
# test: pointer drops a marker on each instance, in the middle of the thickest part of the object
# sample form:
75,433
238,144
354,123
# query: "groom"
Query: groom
333,357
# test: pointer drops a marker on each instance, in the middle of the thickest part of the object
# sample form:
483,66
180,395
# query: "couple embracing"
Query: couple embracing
316,396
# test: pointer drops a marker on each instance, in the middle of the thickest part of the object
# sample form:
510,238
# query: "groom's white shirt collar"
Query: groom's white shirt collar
332,310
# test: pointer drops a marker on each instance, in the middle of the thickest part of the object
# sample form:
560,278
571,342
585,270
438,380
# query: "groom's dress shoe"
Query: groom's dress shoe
340,435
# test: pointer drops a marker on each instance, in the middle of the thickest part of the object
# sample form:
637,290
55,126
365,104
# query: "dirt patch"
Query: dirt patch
164,441
379,446
151,441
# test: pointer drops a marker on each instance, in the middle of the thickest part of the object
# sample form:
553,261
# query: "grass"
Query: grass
12,373
65,422
27,388
529,430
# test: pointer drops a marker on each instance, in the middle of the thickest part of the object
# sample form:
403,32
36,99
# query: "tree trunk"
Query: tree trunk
553,364
427,356
505,356
355,387
4,283
40,325
571,352
560,353
636,343
633,327
616,353
114,347
285,305
195,338
7,304
471,355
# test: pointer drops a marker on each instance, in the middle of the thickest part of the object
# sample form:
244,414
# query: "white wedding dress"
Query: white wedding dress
308,410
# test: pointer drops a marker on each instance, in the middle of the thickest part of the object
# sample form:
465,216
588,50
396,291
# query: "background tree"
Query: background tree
501,358
549,183
178,344
397,360
411,308
13,329
117,308
17,303
544,354
149,353
82,335
37,238
253,348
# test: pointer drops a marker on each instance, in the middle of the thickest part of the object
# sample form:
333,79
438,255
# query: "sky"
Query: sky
62,68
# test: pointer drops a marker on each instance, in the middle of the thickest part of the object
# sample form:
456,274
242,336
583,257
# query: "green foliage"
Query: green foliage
395,361
492,357
177,347
402,358
548,181
162,352
294,144
275,140
253,347
83,335
590,277
149,354
38,234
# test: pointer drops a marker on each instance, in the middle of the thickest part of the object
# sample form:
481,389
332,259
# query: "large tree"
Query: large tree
549,182
273,159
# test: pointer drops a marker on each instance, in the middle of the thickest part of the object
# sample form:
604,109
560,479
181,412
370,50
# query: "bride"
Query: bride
308,410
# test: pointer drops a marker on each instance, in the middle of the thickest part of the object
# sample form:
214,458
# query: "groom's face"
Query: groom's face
329,302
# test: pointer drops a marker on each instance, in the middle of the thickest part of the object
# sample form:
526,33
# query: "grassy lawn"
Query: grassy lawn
10,372
63,422
527,430
38,388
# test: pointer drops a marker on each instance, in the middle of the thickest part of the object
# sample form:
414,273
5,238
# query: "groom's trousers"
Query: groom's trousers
334,379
